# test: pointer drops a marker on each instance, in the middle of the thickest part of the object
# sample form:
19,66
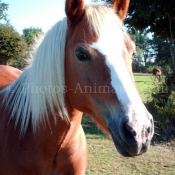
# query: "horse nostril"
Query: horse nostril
149,129
134,133
129,130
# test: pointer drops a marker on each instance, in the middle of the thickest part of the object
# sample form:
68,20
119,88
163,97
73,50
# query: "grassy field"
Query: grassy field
144,83
103,158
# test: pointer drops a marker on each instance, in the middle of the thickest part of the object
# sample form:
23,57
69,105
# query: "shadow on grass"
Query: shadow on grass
142,74
139,81
90,128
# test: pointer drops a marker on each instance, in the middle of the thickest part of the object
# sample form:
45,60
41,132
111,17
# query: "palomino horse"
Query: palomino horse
157,73
74,71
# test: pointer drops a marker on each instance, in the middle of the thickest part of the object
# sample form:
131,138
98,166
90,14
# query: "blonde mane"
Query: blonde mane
40,88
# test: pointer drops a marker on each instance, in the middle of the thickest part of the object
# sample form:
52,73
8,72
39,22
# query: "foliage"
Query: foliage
30,34
162,50
20,63
170,81
153,15
12,45
145,52
151,52
149,68
144,49
3,15
137,66
163,109
163,55
158,15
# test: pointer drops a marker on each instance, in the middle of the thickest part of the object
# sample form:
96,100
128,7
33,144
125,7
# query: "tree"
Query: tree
12,45
163,54
30,34
3,15
145,53
158,15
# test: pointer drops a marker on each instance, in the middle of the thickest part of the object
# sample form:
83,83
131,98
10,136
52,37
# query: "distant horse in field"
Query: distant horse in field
157,73
74,71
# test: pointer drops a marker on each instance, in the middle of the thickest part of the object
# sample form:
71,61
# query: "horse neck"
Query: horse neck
61,134
75,117
63,126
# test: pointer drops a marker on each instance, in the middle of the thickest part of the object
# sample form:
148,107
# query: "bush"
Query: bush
12,45
20,63
149,69
162,107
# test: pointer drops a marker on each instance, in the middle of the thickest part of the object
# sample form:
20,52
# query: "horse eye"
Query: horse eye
81,56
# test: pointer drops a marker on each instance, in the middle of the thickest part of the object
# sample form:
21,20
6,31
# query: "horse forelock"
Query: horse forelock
39,91
102,14
98,15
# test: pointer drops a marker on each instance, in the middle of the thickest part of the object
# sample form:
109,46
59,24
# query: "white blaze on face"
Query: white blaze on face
111,43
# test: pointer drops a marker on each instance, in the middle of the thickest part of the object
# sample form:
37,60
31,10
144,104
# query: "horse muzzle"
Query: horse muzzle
131,140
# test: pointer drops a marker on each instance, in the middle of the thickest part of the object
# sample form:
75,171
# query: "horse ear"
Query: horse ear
75,10
121,7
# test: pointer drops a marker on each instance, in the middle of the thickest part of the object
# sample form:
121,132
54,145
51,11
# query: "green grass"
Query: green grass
103,158
144,83
91,130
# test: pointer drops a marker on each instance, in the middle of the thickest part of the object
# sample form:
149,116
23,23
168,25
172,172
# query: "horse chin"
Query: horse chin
127,151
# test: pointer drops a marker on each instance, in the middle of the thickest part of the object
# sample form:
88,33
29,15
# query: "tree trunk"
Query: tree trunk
172,45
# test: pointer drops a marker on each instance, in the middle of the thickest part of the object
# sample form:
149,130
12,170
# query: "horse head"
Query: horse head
98,74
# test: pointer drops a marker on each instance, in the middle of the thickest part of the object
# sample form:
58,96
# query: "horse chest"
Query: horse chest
40,153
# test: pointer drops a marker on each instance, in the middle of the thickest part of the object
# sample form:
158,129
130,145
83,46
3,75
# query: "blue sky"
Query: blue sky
35,13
